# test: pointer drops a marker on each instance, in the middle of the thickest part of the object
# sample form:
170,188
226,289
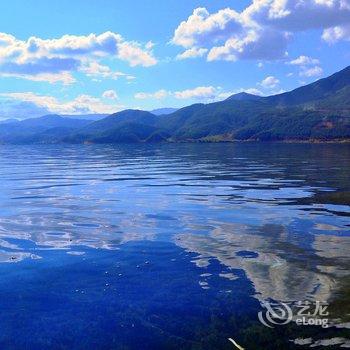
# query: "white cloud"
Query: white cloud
191,53
158,95
311,72
95,69
149,45
135,55
263,30
308,66
82,104
110,94
297,15
304,61
253,91
229,35
269,82
198,93
337,33
48,59
65,78
201,25
262,44
225,95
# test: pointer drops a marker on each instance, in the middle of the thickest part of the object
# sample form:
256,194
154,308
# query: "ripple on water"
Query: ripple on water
273,214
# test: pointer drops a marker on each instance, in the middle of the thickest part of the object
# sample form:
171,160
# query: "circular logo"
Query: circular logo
276,314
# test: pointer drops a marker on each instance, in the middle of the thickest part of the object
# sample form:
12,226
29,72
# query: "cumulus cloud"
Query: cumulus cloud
337,33
252,91
240,37
54,60
308,66
269,82
95,69
304,61
261,44
158,95
198,93
263,30
110,94
149,45
201,26
311,72
135,55
82,104
297,15
192,53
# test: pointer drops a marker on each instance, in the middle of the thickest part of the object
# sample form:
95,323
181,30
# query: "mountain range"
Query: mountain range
163,111
316,112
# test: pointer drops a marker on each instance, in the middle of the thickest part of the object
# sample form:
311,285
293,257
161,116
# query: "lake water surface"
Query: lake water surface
173,246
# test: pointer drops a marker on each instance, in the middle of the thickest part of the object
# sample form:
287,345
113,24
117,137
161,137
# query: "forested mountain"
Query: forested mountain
125,126
318,111
316,92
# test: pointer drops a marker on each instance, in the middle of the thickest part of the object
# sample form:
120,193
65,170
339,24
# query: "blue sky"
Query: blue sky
78,57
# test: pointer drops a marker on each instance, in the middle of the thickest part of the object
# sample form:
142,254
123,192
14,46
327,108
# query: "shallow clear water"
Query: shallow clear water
169,246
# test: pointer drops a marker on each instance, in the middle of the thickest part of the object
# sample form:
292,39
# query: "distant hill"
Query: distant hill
126,126
8,121
91,117
53,121
244,96
47,129
163,111
316,112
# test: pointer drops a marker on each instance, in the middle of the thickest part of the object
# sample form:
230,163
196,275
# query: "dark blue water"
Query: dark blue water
170,246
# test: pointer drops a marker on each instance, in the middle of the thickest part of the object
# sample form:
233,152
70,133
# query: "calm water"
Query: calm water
170,246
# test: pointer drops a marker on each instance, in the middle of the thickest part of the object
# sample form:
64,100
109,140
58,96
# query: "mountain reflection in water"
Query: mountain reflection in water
272,215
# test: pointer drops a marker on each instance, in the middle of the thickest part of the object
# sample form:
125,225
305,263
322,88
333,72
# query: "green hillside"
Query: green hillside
319,112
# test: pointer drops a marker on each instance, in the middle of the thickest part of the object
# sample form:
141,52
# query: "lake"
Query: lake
171,246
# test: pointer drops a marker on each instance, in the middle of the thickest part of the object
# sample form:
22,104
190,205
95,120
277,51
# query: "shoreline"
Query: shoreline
201,141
